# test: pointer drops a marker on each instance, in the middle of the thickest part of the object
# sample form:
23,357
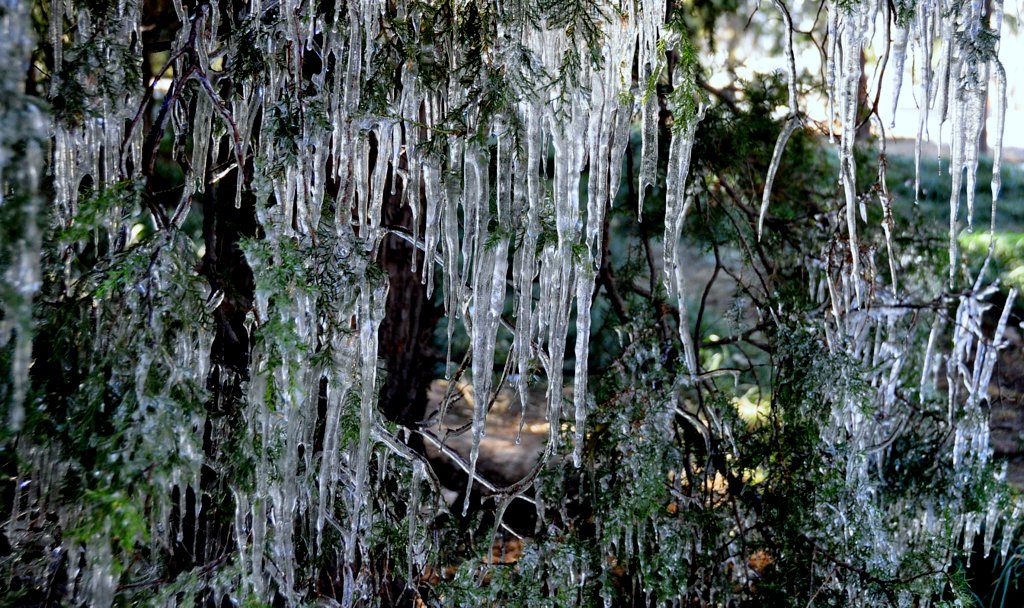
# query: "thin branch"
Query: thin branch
704,299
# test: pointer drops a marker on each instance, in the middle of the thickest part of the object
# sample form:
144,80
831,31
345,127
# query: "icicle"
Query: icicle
780,145
937,325
648,147
201,123
676,206
529,200
792,122
337,391
830,69
899,49
888,224
1011,523
975,117
584,296
22,157
853,28
997,149
414,549
371,312
997,343
651,19
453,282
434,196
490,266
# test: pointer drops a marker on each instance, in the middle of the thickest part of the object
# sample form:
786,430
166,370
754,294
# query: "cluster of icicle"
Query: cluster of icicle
23,135
579,126
582,126
22,154
869,319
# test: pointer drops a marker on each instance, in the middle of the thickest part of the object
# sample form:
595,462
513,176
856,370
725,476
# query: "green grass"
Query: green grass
1007,256
935,189
931,212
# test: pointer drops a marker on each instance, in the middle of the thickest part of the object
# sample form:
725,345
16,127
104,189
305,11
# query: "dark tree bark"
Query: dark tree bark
405,340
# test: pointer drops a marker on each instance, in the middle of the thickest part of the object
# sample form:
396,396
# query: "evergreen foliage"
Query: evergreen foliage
200,208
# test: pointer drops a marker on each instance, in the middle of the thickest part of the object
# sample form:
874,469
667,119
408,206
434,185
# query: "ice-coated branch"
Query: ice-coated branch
793,121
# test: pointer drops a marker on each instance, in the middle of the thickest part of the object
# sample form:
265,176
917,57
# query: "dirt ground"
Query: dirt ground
1007,401
506,453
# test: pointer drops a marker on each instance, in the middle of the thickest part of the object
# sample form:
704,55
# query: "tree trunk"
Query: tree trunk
405,341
